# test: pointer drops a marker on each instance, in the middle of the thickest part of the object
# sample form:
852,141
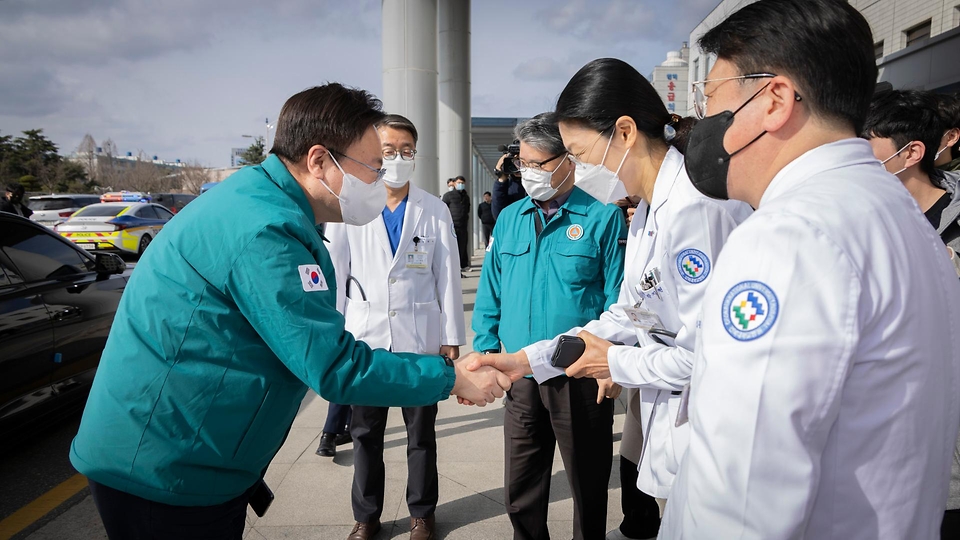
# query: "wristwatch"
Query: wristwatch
447,360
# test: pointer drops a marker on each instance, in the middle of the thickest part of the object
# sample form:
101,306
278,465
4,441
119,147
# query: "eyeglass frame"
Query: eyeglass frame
700,107
413,154
380,172
538,165
575,158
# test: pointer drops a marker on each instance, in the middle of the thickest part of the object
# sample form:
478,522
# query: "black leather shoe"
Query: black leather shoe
343,439
328,447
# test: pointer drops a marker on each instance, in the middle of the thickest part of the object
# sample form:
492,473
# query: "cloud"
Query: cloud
93,32
543,69
629,20
30,90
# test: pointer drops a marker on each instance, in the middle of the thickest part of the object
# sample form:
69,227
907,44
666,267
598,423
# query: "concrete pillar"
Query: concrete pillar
455,147
410,77
456,151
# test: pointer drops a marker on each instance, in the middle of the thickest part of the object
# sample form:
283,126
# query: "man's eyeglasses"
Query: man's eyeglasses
699,90
523,165
407,154
380,172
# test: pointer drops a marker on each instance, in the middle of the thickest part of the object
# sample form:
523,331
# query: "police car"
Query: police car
120,223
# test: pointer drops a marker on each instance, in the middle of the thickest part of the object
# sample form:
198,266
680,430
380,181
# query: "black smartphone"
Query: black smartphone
568,351
261,498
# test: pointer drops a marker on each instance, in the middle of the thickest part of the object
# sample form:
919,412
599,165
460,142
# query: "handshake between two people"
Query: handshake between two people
488,376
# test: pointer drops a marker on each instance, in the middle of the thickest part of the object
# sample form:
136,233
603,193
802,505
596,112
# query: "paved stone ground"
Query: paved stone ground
313,493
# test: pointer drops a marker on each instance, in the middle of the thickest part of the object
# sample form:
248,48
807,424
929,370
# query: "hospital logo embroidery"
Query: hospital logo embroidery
750,309
312,278
575,232
693,265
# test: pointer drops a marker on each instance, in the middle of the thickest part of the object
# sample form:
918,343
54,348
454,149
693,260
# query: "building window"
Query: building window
917,33
878,50
696,69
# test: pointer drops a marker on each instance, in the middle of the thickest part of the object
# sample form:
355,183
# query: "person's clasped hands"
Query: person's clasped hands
480,385
514,366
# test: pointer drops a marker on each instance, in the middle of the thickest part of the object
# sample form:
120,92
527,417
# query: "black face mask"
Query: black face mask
706,160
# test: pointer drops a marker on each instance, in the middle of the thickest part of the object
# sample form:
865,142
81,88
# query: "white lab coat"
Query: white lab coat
680,219
839,421
406,309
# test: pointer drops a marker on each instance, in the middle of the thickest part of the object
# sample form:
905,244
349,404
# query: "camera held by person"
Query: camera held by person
507,189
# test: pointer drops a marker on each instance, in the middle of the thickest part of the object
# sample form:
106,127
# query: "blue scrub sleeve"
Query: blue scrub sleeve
306,332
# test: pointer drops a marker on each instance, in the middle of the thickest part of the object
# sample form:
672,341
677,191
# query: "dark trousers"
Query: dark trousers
128,517
338,419
487,231
950,528
367,428
560,411
462,241
641,514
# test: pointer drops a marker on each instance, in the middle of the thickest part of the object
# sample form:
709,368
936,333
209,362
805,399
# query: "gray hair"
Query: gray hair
542,133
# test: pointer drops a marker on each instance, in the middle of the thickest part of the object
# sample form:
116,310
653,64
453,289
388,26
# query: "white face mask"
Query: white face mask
398,172
360,203
940,151
537,183
449,188
895,154
599,181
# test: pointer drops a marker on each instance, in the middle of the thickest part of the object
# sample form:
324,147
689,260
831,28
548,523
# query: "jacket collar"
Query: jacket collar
666,178
948,180
577,203
835,155
277,172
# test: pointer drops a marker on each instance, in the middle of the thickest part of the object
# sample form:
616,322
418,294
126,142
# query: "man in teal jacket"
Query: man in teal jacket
555,262
227,320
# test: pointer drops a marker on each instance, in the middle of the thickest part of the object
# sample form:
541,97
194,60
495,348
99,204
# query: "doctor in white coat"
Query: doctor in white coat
401,276
824,400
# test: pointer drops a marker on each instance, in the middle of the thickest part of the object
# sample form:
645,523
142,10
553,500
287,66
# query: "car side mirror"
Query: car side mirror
110,263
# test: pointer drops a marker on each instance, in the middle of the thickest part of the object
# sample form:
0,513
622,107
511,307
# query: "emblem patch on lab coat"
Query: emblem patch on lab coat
749,310
312,278
693,265
575,232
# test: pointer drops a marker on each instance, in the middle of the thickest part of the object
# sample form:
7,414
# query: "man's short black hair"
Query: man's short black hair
332,115
488,193
904,116
949,105
460,178
824,46
451,180
397,121
16,189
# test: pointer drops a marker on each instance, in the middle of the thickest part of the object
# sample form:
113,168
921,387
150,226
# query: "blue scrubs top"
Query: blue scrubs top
394,223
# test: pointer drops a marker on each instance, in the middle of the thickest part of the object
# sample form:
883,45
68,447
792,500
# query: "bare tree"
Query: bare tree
87,152
192,177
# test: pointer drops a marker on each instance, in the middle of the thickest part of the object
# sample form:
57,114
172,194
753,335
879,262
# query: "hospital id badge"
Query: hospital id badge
643,319
417,259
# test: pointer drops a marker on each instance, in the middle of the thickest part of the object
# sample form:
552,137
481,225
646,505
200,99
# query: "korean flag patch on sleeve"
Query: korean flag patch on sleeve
312,278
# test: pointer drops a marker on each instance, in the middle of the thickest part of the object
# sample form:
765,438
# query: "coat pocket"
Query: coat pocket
426,316
357,314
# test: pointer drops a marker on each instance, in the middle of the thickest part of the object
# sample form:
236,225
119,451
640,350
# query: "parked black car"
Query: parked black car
57,303
173,201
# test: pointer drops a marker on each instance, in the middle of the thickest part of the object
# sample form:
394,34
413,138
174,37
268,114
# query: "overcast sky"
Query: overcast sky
184,79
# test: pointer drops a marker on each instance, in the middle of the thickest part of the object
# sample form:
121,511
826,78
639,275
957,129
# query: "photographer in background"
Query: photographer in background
507,189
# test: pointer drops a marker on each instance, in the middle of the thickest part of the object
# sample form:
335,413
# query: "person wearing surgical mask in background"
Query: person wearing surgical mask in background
555,261
400,275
